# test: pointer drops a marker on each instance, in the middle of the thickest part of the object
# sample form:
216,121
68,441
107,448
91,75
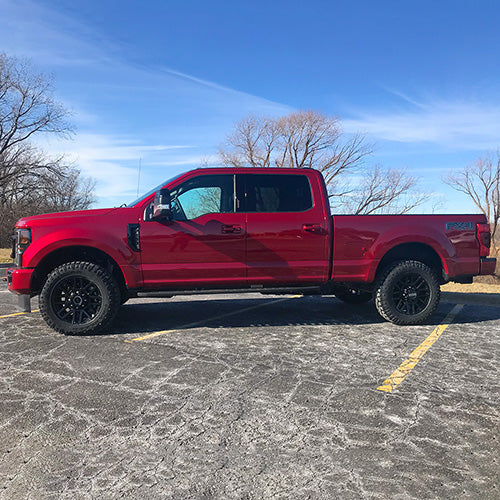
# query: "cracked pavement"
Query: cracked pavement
278,401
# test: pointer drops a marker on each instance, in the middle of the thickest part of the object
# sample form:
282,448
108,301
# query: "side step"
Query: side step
278,291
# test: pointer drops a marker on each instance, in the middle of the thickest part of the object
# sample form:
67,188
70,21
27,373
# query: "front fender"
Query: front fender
107,242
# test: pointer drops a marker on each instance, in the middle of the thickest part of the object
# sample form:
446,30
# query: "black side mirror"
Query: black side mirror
161,205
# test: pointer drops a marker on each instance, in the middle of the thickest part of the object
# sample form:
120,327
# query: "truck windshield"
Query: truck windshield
150,192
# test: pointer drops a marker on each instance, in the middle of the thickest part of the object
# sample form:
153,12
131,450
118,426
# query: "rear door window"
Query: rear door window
274,193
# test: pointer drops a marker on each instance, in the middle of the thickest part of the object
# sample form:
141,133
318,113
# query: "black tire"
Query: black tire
353,295
407,293
79,298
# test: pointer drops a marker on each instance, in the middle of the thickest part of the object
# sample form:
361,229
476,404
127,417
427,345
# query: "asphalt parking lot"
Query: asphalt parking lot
250,396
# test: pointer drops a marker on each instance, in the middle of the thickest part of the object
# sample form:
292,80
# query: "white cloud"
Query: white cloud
453,124
114,161
108,147
50,38
55,40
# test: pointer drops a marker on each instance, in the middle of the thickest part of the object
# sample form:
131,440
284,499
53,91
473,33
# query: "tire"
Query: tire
353,296
407,293
79,298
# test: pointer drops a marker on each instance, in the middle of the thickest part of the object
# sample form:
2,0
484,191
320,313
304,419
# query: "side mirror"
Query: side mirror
161,204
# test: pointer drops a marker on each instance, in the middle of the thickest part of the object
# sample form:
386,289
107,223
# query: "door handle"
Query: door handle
312,228
226,229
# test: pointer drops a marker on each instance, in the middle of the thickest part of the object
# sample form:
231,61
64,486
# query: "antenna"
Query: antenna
139,177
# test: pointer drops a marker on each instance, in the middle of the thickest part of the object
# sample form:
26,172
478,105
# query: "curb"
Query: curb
7,265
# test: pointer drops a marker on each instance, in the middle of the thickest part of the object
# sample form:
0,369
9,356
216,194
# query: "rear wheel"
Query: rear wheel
79,298
407,293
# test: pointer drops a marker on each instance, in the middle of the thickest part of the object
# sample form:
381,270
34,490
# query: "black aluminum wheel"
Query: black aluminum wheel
411,294
76,300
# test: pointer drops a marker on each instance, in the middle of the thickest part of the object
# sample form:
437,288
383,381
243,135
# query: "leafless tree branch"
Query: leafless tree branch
305,139
383,190
31,182
480,181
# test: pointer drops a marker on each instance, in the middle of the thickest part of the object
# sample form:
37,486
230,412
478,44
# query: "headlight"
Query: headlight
23,239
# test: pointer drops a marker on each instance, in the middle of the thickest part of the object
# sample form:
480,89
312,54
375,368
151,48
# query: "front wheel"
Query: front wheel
79,298
407,293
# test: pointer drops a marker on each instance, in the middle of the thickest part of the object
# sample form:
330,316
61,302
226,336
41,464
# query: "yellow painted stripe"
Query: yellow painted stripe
197,323
407,366
17,314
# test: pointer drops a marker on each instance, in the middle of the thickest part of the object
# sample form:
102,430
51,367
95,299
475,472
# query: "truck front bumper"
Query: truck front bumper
19,280
487,266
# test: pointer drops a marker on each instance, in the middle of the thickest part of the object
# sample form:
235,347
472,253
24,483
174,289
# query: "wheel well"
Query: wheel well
413,251
71,254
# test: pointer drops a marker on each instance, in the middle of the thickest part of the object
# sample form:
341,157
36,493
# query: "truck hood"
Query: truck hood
35,220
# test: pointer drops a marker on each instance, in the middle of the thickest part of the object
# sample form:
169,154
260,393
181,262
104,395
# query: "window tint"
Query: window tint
276,193
205,194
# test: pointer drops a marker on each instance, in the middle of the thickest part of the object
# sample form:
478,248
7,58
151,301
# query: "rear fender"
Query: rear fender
393,238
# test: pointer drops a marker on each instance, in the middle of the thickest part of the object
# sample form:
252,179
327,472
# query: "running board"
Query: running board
278,291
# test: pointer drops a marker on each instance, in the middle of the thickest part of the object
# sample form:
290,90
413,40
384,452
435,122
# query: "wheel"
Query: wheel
79,298
407,293
353,295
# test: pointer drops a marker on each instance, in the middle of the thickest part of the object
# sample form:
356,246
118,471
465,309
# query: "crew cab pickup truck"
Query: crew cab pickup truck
240,229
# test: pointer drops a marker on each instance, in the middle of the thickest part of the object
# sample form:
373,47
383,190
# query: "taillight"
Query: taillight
484,238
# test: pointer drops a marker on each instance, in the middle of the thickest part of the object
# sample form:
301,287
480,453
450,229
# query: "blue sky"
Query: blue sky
163,82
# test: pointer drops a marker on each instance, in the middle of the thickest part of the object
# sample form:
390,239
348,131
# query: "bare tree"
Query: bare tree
39,193
383,190
69,192
313,140
26,108
298,140
480,181
30,181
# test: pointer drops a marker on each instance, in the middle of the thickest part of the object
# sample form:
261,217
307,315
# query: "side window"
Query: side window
205,194
276,193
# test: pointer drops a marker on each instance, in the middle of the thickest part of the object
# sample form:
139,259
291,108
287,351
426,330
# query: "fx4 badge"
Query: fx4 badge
459,226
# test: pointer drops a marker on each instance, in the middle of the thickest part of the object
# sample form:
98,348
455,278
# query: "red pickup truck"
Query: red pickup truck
240,229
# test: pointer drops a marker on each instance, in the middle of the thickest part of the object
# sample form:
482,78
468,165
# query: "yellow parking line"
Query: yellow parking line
18,314
149,336
220,316
407,366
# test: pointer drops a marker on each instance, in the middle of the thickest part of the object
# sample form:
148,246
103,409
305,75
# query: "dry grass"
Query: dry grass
480,293
5,255
472,288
